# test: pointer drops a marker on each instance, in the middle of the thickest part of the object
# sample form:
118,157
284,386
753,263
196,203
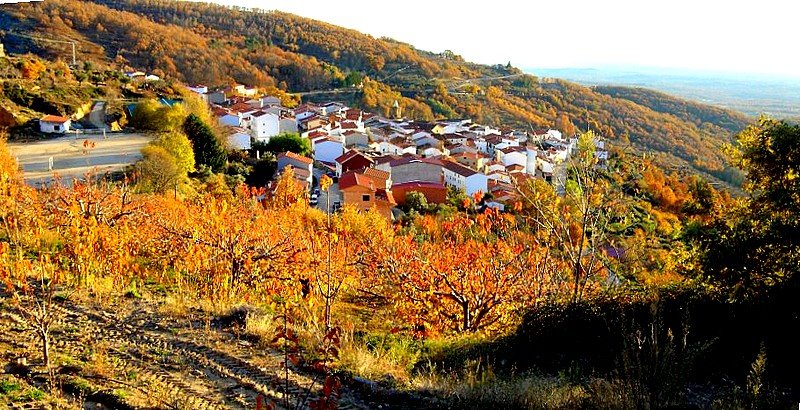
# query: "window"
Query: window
365,197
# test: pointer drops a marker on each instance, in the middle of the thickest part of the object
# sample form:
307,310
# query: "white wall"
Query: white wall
265,127
231,120
327,151
239,141
50,127
475,183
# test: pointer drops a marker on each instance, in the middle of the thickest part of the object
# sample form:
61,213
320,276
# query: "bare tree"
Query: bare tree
576,223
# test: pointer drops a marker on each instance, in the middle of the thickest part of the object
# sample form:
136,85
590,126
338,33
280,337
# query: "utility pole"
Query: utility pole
72,43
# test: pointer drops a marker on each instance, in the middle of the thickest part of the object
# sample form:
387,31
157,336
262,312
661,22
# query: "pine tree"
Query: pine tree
207,148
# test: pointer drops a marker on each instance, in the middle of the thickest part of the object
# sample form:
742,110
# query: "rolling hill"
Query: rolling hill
215,45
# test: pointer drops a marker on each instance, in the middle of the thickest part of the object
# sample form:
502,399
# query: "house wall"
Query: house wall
239,141
356,140
54,128
327,151
515,158
231,120
475,183
416,171
216,97
355,196
454,179
434,195
265,127
287,125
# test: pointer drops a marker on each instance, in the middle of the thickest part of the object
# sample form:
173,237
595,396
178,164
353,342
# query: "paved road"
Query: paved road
70,158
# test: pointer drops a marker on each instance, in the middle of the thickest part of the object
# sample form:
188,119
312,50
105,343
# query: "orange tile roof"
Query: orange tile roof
292,155
54,118
351,179
378,176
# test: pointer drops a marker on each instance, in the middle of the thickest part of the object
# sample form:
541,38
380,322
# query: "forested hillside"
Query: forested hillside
215,45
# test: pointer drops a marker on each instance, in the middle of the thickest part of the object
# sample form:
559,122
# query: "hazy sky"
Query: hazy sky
727,36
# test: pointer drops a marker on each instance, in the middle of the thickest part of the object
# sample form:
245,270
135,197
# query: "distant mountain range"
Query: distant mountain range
775,96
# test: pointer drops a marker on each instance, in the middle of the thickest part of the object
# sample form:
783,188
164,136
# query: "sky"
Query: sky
704,35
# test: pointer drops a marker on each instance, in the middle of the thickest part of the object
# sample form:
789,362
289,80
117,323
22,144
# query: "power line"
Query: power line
72,43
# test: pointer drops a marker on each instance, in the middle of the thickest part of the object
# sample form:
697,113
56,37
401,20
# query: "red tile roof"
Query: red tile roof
378,176
347,156
459,169
352,178
292,155
54,119
241,107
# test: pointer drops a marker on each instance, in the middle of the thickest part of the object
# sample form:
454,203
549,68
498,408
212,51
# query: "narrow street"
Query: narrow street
323,196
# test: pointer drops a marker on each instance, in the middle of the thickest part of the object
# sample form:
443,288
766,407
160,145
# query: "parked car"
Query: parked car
316,192
313,201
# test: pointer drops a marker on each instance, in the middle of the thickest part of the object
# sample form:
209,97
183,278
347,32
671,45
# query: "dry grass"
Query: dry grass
391,364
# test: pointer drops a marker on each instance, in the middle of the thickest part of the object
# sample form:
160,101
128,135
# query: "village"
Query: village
376,161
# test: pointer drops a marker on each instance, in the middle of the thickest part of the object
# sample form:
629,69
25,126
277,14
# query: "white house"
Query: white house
232,119
54,124
428,151
512,156
545,165
239,139
397,146
327,150
287,125
303,112
459,176
264,125
530,163
198,88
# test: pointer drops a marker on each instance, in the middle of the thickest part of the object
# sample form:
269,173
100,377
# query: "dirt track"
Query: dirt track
172,365
72,160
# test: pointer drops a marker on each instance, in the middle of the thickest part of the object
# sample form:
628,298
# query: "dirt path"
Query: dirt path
175,367
71,158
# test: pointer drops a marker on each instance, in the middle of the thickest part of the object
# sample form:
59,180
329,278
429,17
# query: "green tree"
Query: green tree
157,171
417,201
353,78
754,245
458,198
178,145
151,115
208,150
289,142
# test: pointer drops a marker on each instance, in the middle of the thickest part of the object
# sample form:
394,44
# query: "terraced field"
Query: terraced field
141,359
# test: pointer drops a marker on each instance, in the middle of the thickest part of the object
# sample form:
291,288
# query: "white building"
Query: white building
199,88
512,156
327,150
288,126
459,176
54,124
264,125
232,119
530,160
239,139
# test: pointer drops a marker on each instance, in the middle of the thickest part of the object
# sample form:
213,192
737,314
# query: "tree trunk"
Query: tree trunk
467,317
44,336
